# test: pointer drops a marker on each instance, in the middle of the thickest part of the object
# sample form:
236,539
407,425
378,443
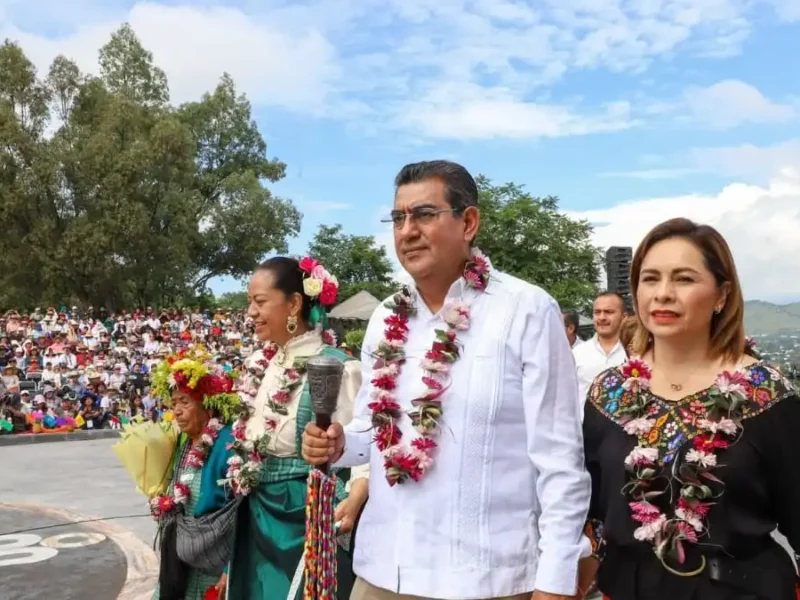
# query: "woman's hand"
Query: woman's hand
587,574
221,585
348,509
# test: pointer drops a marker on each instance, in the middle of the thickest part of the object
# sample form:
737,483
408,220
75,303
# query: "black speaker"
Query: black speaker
618,273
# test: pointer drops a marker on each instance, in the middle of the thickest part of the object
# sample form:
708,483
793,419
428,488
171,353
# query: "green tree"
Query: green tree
232,300
528,237
356,261
240,216
131,200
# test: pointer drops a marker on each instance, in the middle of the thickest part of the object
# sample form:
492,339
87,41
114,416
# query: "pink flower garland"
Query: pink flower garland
719,431
244,467
403,462
195,460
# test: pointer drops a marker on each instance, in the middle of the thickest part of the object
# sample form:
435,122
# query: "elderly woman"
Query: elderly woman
203,405
287,302
693,449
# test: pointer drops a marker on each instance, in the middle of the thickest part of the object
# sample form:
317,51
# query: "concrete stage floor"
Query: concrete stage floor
45,552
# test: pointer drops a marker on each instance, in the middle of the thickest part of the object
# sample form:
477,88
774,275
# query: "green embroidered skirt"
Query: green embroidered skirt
270,532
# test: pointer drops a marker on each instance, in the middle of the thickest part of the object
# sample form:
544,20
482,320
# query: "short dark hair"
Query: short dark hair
461,189
288,278
572,318
606,293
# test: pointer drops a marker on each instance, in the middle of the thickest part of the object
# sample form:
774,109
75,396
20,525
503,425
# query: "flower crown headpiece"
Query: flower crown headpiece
193,372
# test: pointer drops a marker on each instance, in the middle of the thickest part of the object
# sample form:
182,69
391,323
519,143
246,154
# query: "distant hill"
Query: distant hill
762,318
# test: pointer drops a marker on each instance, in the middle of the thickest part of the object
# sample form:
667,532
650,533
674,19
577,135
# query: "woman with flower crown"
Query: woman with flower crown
194,558
693,447
288,300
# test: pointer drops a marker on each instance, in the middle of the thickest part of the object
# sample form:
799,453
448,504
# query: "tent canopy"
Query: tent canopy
360,307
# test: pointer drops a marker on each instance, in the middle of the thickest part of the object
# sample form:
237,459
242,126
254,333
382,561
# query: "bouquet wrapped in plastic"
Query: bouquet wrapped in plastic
146,451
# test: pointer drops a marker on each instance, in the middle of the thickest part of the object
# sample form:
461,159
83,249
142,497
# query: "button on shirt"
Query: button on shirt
502,509
591,360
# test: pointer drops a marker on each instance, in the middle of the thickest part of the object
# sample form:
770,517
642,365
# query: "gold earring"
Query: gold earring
291,324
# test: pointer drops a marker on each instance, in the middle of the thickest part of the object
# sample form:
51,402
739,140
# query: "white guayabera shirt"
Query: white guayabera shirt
502,510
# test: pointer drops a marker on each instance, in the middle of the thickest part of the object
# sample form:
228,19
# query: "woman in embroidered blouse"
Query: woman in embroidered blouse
287,302
693,450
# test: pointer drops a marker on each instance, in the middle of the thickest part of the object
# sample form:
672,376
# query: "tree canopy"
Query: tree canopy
356,261
528,237
111,196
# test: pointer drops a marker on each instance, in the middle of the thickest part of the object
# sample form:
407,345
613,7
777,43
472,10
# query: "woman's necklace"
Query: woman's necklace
681,382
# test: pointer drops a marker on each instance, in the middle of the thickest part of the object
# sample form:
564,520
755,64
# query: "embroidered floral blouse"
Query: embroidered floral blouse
740,493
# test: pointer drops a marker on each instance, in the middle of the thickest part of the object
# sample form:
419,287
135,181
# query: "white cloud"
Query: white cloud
745,161
394,62
761,225
788,10
731,103
471,113
195,45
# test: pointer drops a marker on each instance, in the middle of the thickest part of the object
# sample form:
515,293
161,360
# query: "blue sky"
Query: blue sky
631,111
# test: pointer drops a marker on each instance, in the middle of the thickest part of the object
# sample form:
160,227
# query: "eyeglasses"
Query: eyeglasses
420,215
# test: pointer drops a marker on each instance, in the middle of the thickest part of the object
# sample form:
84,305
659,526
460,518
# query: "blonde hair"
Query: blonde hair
628,331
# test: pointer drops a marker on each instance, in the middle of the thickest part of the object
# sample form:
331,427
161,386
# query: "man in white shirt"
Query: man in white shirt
492,492
603,350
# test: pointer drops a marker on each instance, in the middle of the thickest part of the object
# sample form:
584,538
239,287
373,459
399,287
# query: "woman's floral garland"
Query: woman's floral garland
195,460
403,462
245,466
719,430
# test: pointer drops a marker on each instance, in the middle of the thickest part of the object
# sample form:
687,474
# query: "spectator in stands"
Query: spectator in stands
49,374
117,379
92,415
11,377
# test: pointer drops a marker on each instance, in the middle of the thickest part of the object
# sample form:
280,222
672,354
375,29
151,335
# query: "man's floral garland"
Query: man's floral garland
403,462
244,467
720,429
196,458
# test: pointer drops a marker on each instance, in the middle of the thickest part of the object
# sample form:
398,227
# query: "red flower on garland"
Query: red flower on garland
401,466
270,350
385,382
386,436
386,406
